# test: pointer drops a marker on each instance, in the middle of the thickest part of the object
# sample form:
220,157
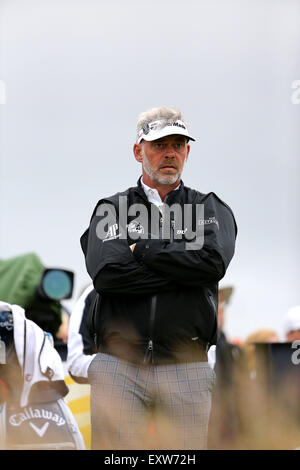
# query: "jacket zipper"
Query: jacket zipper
149,357
149,353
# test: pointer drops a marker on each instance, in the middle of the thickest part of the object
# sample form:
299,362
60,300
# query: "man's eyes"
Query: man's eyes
177,145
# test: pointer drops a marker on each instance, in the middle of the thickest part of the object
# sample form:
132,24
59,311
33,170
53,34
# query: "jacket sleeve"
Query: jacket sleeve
111,263
186,266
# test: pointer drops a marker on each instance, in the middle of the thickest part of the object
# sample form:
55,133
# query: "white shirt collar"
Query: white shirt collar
153,195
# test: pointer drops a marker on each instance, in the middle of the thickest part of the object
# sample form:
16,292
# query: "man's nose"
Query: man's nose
169,152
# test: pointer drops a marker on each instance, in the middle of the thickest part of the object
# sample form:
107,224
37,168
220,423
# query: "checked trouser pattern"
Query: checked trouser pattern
154,406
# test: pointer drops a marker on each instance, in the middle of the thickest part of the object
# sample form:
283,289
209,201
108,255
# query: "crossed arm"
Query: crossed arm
151,266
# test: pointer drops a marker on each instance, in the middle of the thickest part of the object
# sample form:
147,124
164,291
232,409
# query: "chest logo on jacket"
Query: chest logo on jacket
112,232
211,220
135,227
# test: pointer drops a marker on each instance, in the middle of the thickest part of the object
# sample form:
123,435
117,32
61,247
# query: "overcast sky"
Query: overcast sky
78,72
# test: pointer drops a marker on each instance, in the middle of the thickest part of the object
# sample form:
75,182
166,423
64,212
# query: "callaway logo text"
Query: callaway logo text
33,413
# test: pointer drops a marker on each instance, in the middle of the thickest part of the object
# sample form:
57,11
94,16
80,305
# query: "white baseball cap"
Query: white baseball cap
161,128
292,319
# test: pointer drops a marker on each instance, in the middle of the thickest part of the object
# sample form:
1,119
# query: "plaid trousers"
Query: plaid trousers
149,406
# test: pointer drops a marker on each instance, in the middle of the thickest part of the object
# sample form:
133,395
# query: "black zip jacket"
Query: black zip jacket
157,304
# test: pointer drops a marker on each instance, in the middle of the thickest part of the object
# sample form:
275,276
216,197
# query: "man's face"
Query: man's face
162,159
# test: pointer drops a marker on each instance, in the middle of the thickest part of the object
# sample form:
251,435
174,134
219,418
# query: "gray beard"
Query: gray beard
155,176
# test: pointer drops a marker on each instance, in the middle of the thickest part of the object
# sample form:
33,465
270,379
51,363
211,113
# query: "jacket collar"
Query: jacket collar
140,190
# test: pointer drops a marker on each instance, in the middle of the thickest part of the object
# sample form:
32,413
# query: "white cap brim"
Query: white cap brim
176,128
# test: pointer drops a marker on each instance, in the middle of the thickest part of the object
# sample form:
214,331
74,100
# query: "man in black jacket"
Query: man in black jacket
156,253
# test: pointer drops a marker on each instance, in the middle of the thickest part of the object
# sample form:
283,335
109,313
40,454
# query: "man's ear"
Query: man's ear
137,150
188,148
